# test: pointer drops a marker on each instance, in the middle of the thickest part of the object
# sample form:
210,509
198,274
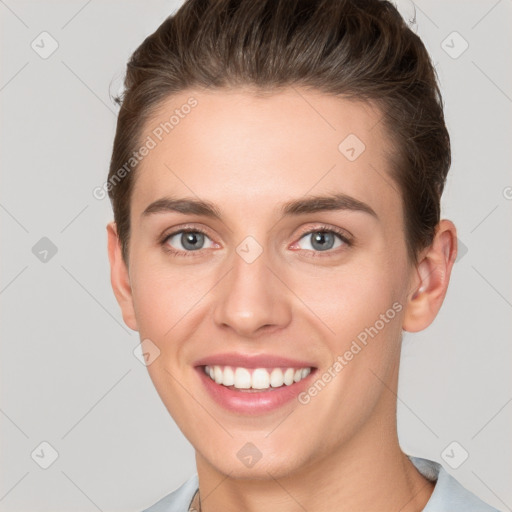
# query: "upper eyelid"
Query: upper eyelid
343,234
176,231
337,231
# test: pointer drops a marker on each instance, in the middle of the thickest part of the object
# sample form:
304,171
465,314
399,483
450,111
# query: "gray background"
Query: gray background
68,373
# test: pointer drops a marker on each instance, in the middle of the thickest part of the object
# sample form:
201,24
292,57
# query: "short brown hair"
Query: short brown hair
361,49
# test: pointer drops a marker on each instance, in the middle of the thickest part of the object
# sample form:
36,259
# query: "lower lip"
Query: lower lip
252,401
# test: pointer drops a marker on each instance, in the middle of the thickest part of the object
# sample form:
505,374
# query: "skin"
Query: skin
248,154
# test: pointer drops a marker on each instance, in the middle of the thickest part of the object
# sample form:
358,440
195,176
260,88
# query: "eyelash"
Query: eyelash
322,228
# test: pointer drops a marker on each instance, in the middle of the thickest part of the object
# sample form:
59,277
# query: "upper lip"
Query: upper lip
252,361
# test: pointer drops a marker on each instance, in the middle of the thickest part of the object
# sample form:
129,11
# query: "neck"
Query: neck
342,485
369,473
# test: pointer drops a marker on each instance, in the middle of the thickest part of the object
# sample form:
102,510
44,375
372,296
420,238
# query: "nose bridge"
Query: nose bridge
251,297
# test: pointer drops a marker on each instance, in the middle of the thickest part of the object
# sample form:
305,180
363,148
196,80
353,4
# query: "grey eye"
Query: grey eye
189,240
321,240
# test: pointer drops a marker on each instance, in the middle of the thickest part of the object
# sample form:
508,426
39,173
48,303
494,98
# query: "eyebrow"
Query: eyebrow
305,205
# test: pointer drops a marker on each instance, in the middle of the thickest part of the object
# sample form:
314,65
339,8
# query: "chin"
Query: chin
247,462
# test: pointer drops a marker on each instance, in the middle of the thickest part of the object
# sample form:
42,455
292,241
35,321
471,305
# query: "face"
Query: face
294,306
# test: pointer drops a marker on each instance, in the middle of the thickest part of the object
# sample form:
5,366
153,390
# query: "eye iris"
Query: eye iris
321,240
192,238
320,237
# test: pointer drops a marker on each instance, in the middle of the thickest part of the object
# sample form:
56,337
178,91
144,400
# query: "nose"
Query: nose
253,298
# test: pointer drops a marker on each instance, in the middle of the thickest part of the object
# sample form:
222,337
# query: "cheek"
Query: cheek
347,299
360,312
341,301
167,299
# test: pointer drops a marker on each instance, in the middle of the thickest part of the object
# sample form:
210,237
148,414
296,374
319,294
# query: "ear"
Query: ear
120,278
432,275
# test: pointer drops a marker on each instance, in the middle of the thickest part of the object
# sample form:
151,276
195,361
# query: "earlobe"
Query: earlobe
430,284
119,277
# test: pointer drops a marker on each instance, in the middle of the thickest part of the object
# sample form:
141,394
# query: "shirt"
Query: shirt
448,496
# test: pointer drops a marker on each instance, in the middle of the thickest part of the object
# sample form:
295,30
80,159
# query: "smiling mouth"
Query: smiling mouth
255,379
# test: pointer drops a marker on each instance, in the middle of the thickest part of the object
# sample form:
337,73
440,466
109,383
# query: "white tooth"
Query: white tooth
305,372
288,376
276,378
260,379
217,374
228,378
242,379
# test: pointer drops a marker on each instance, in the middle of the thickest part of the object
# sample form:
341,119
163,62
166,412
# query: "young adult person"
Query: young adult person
276,179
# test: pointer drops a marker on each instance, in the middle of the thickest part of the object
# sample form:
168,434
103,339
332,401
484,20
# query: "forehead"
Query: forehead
261,150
